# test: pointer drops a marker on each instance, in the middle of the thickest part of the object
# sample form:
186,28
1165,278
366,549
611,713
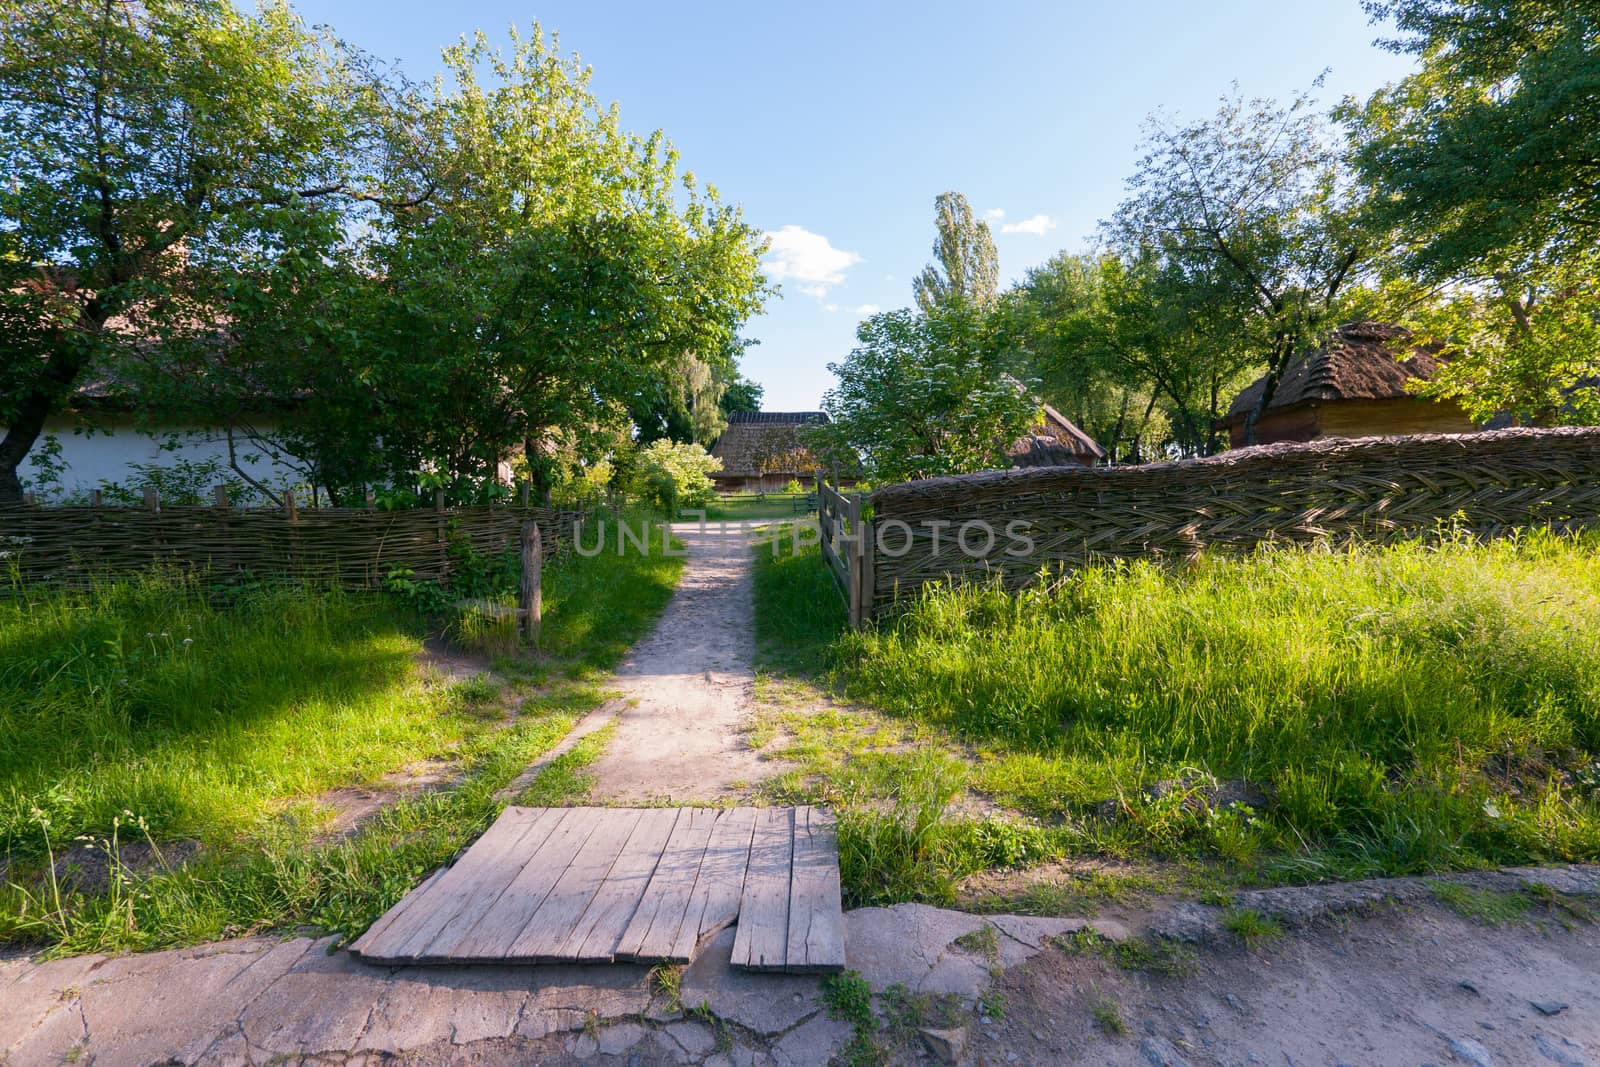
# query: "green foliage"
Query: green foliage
848,998
1251,926
548,276
199,710
674,476
1072,320
223,717
925,395
1525,345
1247,223
1403,709
230,130
1491,150
966,271
1107,1014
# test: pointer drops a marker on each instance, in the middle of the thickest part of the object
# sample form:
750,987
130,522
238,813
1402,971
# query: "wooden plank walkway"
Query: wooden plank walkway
593,885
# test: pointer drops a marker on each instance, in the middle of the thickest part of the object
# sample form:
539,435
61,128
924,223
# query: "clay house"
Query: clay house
1352,386
763,451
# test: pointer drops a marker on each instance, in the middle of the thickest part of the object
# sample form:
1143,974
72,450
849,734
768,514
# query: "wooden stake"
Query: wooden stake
290,506
221,496
152,498
530,598
372,499
96,498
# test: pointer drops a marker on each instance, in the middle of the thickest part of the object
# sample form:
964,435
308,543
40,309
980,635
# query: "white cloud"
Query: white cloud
995,214
867,309
830,308
797,254
1037,225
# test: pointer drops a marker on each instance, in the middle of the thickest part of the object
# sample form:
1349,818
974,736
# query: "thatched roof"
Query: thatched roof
1357,363
1056,441
767,442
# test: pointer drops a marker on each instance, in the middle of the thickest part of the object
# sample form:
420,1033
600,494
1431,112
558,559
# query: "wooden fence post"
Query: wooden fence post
530,598
96,498
372,499
220,496
291,507
152,498
444,553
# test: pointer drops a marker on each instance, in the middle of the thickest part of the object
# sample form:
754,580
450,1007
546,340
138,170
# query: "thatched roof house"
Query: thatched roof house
762,451
1352,386
1056,442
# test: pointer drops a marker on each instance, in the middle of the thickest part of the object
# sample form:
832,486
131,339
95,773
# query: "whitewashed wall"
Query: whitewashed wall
108,451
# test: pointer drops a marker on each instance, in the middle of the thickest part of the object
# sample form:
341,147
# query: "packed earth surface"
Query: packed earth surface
1404,971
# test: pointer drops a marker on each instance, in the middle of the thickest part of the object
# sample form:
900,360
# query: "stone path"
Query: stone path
261,1000
687,686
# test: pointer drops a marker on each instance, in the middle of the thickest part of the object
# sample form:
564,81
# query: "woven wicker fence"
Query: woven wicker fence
1371,489
351,546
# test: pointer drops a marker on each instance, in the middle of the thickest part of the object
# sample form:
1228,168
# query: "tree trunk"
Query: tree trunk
61,369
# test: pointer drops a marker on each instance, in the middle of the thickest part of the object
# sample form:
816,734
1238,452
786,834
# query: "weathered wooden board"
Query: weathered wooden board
653,930
491,937
652,884
548,928
715,903
595,935
761,943
816,917
478,879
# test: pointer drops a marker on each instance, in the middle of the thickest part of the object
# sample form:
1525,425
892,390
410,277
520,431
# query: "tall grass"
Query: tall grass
1385,710
199,709
1403,708
221,716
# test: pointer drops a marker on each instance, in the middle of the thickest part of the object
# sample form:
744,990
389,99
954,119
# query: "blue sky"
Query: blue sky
836,124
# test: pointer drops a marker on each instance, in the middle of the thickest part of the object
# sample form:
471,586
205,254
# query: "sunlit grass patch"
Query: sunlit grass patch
1292,715
174,714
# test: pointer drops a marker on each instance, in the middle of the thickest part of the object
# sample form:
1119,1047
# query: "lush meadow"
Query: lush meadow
1296,714
157,718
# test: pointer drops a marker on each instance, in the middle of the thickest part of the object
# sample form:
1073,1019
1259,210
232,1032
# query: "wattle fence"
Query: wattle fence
1014,523
354,547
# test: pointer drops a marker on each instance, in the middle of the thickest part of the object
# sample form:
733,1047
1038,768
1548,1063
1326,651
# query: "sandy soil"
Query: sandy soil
686,689
1399,986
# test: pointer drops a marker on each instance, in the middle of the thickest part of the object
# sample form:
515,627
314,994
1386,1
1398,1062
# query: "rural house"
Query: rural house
1352,386
1056,441
763,451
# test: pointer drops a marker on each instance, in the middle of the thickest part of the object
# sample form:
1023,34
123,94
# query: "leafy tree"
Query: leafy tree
1484,174
966,267
144,144
1248,219
674,475
1526,344
742,395
1493,146
926,395
1061,318
563,269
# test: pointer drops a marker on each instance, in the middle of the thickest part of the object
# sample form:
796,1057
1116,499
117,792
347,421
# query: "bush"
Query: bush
672,476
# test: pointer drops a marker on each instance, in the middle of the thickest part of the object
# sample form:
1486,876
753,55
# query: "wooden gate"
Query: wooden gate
847,542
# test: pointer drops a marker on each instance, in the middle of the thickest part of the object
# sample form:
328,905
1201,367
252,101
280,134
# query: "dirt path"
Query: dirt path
688,685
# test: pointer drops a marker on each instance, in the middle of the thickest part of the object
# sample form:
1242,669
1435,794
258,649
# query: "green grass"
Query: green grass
1408,709
162,713
776,506
1251,926
1488,907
